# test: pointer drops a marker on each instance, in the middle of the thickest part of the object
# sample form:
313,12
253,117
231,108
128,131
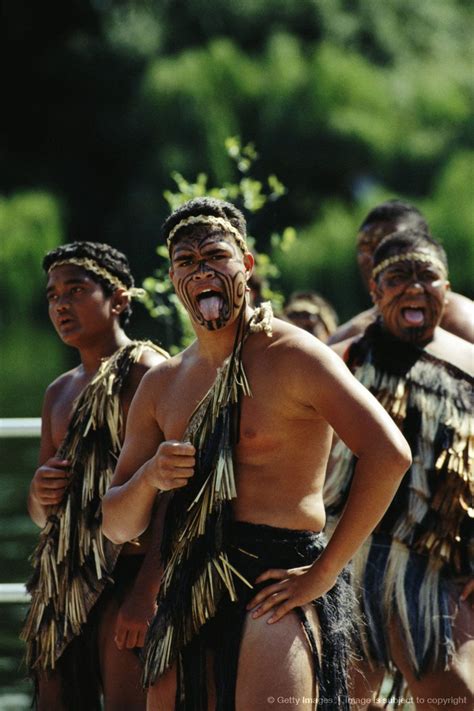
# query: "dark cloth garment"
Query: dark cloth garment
78,666
253,549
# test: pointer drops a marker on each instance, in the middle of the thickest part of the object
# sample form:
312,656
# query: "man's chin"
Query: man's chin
416,335
214,324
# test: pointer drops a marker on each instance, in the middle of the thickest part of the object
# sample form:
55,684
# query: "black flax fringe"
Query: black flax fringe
73,561
197,571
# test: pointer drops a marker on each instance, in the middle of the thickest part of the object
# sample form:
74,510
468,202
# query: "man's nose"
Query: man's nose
62,302
414,284
203,271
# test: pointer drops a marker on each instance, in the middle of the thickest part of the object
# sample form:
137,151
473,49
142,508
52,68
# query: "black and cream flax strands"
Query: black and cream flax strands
73,561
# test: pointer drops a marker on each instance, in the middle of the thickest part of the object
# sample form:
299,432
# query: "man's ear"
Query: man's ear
448,288
171,273
249,263
375,292
120,301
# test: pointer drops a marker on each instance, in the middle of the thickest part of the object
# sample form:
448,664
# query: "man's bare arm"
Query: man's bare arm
383,458
139,604
355,327
51,478
147,464
458,316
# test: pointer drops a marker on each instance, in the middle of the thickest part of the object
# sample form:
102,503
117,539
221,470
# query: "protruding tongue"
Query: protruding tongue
210,307
414,316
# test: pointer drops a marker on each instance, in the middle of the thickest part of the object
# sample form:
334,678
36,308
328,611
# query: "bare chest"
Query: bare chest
63,407
267,419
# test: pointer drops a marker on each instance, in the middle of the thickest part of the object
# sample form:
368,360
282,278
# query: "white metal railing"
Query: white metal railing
20,426
17,427
13,593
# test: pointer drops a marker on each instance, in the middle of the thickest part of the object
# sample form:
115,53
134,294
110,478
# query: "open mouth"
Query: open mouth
65,322
414,316
210,303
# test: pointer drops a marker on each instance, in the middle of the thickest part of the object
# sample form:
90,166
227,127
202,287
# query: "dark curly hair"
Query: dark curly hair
395,210
407,240
106,256
204,206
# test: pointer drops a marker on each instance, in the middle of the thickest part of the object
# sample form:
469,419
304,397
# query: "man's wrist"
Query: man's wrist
324,567
147,475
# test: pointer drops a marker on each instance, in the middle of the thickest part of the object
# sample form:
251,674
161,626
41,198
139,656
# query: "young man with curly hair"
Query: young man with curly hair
91,601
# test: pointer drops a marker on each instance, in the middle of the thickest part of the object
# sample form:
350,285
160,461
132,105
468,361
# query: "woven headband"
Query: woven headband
409,257
92,266
209,220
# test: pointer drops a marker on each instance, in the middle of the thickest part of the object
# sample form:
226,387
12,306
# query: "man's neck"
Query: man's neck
214,346
93,354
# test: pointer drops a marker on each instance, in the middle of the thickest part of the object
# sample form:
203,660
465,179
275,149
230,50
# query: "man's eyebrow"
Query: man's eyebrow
183,252
186,251
217,247
72,280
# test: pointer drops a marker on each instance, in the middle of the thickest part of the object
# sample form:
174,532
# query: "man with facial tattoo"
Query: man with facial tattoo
238,427
415,578
384,219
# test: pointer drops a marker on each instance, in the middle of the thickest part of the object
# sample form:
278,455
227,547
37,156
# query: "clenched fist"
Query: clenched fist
172,465
50,482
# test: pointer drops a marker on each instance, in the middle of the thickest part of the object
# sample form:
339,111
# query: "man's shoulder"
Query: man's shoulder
287,336
62,392
458,317
354,327
164,369
293,349
63,381
453,350
150,356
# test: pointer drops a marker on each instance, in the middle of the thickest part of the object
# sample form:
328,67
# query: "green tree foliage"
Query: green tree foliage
450,212
30,225
348,102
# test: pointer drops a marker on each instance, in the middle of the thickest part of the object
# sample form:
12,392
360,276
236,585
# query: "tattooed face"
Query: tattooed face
210,273
411,295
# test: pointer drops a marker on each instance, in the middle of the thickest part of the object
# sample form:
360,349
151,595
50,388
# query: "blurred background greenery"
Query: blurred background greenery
348,102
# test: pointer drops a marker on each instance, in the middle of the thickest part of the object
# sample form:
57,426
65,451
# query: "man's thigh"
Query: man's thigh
121,670
162,695
275,662
50,692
